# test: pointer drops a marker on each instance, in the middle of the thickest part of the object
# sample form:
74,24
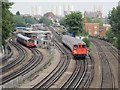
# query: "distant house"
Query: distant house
103,29
92,28
96,14
50,15
37,17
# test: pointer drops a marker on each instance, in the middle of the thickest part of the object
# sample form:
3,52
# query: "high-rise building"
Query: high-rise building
59,10
119,3
54,10
39,10
68,9
35,10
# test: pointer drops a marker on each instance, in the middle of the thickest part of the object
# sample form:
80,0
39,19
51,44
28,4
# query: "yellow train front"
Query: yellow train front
78,47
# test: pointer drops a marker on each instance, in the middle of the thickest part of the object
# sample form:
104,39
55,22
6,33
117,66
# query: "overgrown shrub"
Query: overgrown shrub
87,41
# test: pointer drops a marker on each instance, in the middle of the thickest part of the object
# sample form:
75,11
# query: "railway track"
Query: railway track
83,73
18,60
57,72
33,62
107,78
7,56
114,51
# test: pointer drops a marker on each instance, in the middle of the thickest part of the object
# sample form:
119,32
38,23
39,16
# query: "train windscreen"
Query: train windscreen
83,46
75,46
30,40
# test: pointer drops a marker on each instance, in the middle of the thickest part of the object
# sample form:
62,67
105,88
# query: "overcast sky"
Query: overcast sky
24,6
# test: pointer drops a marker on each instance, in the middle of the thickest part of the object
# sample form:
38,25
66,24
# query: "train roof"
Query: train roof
23,37
36,32
73,39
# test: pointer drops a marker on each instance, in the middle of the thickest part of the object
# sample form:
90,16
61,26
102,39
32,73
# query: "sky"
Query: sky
24,6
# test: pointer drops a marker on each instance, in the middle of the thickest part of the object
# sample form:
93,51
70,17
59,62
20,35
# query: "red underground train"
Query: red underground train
26,40
77,46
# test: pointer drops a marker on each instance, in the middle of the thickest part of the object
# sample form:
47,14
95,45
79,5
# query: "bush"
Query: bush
87,41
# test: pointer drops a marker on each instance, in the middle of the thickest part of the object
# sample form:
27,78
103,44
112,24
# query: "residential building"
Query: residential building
95,14
92,28
103,29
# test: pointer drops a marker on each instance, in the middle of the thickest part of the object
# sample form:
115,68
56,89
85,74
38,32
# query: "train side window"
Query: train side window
83,46
75,46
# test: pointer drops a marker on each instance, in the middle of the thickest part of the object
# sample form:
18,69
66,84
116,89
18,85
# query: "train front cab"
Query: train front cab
30,43
79,50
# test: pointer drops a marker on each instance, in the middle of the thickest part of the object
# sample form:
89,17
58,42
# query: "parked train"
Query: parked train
26,40
77,46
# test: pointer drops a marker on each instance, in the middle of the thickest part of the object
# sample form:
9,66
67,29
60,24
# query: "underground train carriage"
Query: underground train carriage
77,47
26,40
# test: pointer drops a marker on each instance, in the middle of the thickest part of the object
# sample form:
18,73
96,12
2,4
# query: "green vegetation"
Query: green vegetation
95,20
21,21
113,35
7,24
98,20
74,23
18,21
62,22
89,20
17,13
45,20
0,24
87,41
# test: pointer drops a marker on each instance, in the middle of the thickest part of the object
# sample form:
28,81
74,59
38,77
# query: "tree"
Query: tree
17,13
89,20
7,24
74,22
87,41
62,22
19,21
0,23
30,20
114,20
110,35
45,20
98,20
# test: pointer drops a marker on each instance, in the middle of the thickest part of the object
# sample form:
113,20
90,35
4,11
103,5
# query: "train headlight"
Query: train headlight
74,51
